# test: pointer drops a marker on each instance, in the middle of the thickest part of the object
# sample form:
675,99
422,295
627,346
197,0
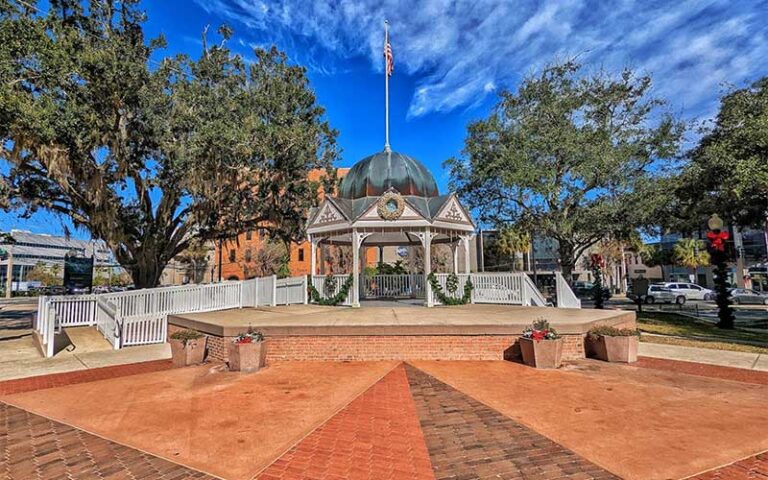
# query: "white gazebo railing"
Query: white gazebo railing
318,281
392,286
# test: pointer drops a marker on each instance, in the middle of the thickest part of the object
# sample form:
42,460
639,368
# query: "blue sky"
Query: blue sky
451,57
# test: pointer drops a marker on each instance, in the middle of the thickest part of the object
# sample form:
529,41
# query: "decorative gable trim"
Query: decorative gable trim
328,214
453,212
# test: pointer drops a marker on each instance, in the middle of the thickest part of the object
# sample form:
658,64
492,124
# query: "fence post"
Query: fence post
472,293
274,290
50,333
306,289
242,292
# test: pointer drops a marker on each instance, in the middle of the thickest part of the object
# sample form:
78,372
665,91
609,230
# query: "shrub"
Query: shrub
185,336
606,331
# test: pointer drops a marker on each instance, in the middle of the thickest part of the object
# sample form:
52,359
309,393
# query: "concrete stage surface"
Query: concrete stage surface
398,320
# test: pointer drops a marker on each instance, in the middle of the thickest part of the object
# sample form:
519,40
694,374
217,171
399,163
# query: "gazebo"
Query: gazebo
390,199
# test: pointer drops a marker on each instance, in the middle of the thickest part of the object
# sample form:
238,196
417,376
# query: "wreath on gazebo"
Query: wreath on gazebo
329,285
452,285
391,206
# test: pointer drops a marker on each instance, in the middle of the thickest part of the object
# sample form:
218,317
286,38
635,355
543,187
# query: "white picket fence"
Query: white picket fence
141,316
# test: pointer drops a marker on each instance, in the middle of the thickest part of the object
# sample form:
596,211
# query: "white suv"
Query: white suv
690,291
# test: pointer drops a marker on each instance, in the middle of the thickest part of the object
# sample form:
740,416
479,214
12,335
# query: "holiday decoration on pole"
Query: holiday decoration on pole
717,240
597,264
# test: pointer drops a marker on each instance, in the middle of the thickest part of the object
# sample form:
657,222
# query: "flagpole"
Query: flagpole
386,90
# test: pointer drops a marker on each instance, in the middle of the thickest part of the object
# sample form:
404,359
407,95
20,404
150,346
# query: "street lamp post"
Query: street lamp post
717,238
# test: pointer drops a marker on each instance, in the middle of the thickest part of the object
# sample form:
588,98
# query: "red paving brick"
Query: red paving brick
36,448
377,436
704,370
468,440
41,382
752,468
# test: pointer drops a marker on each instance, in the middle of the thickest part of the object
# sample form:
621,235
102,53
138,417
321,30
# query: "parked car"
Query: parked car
662,294
101,289
583,289
54,290
743,296
78,290
690,291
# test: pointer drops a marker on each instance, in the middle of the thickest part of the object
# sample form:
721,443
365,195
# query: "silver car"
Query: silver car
662,294
744,296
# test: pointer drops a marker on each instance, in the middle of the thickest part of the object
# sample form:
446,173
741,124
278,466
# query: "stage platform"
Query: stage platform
397,332
403,320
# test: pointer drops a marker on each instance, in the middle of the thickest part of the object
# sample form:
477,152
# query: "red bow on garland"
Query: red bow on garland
718,240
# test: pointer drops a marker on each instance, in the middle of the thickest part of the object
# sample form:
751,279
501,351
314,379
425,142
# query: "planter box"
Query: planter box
614,349
192,354
542,353
247,357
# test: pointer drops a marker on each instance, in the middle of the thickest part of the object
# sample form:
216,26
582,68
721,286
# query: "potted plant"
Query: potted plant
541,346
247,352
187,347
613,344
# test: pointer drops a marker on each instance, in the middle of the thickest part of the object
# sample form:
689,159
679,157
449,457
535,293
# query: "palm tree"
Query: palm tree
511,242
690,253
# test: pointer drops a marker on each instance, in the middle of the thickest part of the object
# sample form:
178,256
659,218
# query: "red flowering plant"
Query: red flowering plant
540,330
251,336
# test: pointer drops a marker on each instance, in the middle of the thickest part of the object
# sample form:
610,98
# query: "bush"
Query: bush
606,331
185,336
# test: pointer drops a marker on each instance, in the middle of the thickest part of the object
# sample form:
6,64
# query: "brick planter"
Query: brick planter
542,353
191,354
622,349
247,357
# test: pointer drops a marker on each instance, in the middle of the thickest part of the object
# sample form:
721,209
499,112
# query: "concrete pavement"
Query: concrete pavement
750,361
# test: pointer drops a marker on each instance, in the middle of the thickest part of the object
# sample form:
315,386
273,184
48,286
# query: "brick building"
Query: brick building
239,258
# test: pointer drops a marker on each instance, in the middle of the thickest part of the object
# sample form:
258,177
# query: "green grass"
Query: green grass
687,331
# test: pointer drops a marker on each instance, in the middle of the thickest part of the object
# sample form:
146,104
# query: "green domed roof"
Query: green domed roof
374,175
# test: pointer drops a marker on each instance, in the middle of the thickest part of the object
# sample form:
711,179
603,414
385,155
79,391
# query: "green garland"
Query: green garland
334,300
450,300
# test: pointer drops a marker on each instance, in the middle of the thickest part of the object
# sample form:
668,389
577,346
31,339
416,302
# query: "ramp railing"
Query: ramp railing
565,296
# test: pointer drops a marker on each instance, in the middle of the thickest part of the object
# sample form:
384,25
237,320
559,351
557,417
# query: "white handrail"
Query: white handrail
565,296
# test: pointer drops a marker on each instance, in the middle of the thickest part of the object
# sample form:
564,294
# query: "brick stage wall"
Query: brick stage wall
390,347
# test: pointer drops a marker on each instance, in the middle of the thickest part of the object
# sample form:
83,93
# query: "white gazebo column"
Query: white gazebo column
426,242
455,256
312,256
357,242
466,239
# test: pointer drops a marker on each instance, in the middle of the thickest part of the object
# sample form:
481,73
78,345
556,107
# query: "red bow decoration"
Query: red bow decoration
718,240
597,260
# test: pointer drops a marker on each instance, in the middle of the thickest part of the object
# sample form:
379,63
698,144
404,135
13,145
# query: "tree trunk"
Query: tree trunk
147,273
567,260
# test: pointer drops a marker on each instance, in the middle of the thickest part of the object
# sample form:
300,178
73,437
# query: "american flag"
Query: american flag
389,58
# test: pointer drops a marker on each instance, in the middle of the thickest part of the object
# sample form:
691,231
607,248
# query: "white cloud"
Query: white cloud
464,50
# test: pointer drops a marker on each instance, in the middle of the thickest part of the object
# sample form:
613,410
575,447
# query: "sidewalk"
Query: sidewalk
82,361
749,361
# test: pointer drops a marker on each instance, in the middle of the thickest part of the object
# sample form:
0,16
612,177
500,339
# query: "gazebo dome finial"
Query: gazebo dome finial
374,175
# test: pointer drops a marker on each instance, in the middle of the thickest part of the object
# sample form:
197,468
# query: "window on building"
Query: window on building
232,255
301,254
248,255
249,235
262,234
